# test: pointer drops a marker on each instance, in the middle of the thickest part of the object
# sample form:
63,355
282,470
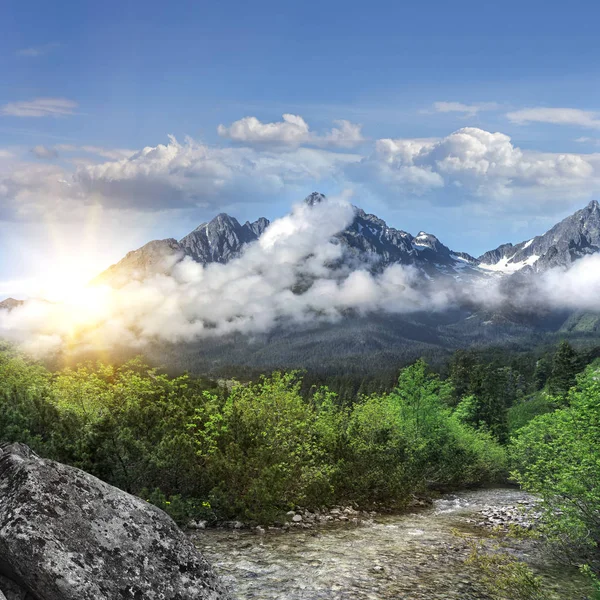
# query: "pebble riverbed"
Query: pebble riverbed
412,556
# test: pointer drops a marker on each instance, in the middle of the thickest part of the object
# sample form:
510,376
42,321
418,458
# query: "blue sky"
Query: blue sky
377,92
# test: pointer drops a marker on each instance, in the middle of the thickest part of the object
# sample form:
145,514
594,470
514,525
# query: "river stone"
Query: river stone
65,535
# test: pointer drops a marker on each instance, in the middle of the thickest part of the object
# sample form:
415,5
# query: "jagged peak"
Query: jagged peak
314,198
224,217
593,205
425,235
220,219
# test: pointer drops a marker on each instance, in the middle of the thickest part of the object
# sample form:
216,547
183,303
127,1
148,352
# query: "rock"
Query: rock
65,535
197,525
297,518
9,590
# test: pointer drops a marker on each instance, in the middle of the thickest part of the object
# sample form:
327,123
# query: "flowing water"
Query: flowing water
414,556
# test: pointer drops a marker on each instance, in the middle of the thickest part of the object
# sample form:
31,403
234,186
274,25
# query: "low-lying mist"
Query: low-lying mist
296,273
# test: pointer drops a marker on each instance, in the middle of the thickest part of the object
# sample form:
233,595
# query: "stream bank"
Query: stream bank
412,556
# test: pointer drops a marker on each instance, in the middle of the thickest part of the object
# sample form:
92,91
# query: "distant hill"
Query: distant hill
10,303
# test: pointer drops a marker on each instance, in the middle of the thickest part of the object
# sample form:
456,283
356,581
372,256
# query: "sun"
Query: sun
64,284
68,284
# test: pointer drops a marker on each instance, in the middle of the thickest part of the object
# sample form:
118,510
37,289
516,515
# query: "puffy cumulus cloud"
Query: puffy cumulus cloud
345,135
467,110
173,176
44,152
292,131
34,190
478,163
40,107
482,170
556,116
179,175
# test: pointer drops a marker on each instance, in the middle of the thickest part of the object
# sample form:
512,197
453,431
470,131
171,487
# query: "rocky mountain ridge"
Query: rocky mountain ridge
574,237
369,239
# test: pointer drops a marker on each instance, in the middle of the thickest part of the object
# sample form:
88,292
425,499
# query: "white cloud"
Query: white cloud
253,293
478,163
468,110
35,51
32,190
109,153
470,167
557,116
292,131
193,174
40,107
44,152
250,294
345,135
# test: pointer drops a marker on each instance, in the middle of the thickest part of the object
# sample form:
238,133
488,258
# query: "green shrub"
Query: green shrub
504,577
557,456
521,413
253,451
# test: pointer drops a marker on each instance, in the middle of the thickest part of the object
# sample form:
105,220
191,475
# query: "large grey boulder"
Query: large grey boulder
9,590
65,535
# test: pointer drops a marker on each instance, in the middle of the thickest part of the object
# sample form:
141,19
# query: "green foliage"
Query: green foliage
484,392
557,456
527,409
253,451
263,451
543,369
594,580
565,366
409,439
181,510
504,577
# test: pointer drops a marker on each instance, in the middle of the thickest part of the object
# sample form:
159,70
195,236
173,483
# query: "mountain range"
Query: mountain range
364,343
371,240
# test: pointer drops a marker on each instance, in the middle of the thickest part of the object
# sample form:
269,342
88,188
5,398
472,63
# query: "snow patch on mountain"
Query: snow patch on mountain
506,265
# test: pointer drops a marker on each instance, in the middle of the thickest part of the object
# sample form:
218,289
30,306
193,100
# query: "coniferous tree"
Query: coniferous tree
543,369
565,366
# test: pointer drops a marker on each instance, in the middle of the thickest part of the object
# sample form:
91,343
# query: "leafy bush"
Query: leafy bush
504,577
181,510
557,456
523,412
253,451
261,449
